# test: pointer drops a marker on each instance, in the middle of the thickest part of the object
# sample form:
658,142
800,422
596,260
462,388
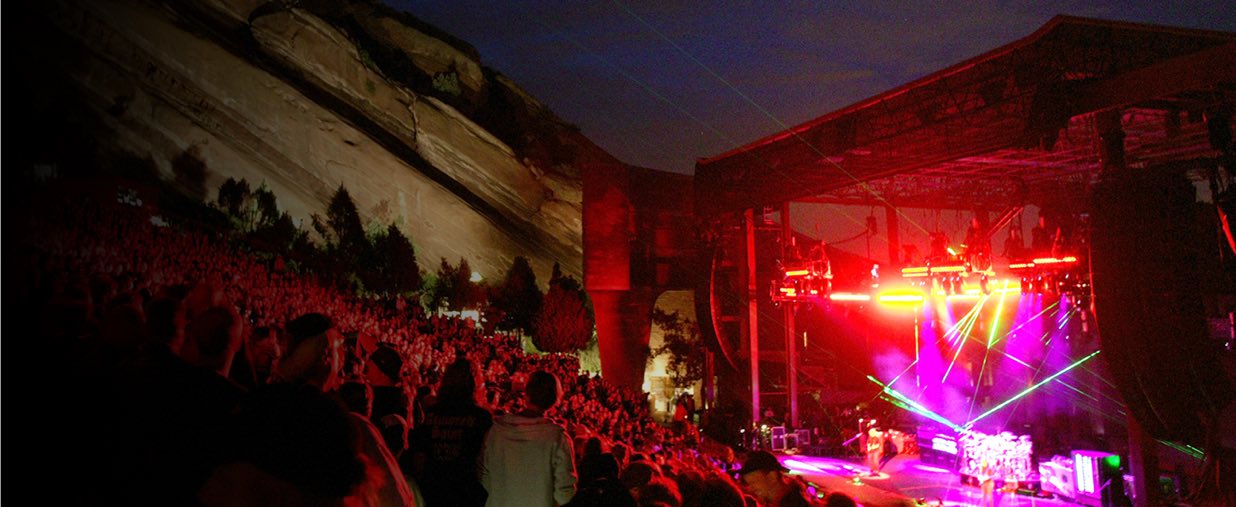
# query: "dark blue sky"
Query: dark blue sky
661,83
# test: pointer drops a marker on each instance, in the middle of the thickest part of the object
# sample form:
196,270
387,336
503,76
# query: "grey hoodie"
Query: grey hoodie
527,462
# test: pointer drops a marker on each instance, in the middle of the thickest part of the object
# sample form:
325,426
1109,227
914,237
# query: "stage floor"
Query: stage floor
903,481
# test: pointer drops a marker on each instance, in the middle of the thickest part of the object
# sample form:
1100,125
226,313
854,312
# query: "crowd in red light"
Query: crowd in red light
93,271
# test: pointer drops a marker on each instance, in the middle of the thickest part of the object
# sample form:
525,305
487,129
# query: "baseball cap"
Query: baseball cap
758,461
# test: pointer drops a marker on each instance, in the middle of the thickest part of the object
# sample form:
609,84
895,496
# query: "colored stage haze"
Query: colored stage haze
979,365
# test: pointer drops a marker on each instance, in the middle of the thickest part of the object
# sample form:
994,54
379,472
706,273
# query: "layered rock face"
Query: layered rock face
292,97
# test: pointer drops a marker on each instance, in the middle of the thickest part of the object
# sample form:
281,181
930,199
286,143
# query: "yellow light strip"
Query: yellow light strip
901,298
843,296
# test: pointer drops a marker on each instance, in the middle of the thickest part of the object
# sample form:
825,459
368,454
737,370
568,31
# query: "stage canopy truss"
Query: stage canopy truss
1019,124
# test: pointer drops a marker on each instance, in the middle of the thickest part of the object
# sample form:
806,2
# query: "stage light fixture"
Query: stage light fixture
901,297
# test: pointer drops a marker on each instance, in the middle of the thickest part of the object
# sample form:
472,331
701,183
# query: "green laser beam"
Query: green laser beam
1061,382
962,345
1187,449
1031,319
902,401
966,320
991,335
1030,389
995,323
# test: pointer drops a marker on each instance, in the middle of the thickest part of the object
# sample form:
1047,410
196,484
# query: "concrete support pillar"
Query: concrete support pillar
609,230
624,324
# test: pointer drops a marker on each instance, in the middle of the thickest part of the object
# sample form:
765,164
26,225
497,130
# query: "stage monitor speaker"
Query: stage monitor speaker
1099,479
777,443
1144,259
777,440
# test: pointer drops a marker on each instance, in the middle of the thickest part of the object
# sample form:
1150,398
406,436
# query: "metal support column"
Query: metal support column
791,345
753,313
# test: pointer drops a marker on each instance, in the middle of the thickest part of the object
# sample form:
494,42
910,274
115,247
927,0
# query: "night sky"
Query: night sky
661,83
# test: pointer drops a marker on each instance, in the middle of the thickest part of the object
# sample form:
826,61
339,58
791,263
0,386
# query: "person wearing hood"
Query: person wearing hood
528,459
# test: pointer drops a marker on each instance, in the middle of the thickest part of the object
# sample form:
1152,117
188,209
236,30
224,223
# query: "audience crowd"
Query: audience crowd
191,371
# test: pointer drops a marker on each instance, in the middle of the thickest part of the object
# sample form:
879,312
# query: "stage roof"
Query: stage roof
1012,126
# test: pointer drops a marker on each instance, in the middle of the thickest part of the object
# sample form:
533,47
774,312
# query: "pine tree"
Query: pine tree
267,207
353,254
278,237
517,299
320,227
439,292
565,322
463,293
344,220
567,282
232,196
398,261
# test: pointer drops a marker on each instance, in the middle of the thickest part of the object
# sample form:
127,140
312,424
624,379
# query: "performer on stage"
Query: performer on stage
987,482
875,449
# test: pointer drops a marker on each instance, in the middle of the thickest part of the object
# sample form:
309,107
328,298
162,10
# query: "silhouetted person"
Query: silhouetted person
357,397
384,371
313,361
599,484
717,491
1014,245
939,247
839,499
258,356
445,448
182,409
1059,242
294,447
1041,238
978,246
659,492
766,478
